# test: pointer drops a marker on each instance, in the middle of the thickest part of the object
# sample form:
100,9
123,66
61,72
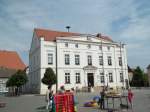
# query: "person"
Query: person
75,99
130,97
102,101
49,96
62,89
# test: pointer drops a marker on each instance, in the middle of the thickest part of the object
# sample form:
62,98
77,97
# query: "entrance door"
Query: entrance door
90,79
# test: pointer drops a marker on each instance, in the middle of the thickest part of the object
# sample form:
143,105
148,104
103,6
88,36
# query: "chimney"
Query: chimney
99,35
68,28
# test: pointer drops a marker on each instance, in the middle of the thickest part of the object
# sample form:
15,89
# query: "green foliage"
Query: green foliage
139,79
49,77
18,79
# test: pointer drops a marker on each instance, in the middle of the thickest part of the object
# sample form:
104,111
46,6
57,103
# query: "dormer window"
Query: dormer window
76,45
66,44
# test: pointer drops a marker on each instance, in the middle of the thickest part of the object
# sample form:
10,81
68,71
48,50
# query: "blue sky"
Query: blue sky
127,21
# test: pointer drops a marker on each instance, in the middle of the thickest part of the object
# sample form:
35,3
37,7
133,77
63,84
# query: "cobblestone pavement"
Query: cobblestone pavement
36,103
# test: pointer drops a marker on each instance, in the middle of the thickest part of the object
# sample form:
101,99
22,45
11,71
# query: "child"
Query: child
130,97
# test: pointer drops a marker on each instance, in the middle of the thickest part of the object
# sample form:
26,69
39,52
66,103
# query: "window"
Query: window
110,77
102,77
76,45
109,60
67,59
100,60
120,61
67,78
77,60
108,48
121,77
88,46
77,78
89,60
66,44
50,59
100,47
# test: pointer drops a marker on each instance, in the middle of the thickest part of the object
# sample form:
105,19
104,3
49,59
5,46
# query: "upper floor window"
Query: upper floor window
89,46
102,77
67,78
76,45
67,59
89,60
77,78
110,77
121,77
120,61
77,60
108,48
109,60
50,58
100,47
66,44
100,60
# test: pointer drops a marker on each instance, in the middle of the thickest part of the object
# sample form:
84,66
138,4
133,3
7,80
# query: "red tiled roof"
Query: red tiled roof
11,60
50,35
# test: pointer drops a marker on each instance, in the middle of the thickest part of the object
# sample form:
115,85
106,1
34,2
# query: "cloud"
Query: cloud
124,20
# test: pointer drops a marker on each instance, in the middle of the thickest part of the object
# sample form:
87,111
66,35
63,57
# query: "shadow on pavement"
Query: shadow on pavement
41,109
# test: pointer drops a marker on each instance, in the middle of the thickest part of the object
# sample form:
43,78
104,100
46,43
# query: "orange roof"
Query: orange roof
11,60
50,35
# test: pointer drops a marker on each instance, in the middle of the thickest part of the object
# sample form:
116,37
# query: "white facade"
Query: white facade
79,74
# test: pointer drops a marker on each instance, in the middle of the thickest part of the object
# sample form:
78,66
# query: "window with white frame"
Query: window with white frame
67,78
77,59
67,59
89,46
110,77
120,61
78,78
121,77
66,44
50,58
102,77
76,45
100,60
108,48
100,47
109,60
89,60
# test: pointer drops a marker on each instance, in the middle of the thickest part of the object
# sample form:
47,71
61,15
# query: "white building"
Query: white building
79,60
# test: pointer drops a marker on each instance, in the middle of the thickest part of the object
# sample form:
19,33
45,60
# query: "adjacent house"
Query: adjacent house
10,62
79,60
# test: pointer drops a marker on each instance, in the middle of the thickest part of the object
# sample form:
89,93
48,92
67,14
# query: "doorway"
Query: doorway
90,79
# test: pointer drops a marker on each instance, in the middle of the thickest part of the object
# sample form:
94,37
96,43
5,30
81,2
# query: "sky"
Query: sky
126,21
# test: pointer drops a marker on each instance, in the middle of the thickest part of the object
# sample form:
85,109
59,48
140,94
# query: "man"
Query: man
102,100
48,98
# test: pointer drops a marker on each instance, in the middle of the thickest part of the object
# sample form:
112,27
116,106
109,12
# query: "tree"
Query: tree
17,80
139,78
49,77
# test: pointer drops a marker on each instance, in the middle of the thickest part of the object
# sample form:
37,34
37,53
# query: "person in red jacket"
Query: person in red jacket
130,97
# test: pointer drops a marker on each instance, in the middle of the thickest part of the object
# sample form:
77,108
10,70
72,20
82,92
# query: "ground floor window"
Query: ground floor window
102,77
67,78
77,78
110,77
